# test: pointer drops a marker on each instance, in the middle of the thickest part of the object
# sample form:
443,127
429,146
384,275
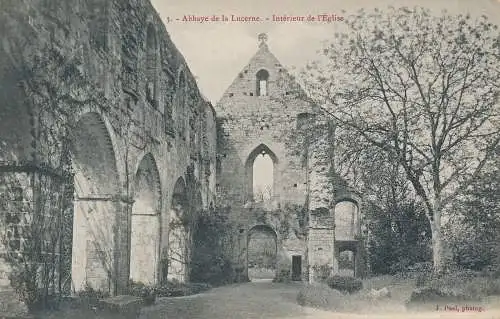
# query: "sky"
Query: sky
217,51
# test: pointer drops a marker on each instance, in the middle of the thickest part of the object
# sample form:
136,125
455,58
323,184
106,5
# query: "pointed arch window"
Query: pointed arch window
346,220
262,82
261,172
262,178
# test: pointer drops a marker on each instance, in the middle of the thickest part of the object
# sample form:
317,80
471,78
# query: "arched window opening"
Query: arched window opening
151,65
262,79
260,174
145,223
346,220
263,177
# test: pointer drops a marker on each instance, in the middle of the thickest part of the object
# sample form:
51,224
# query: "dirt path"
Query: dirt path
251,300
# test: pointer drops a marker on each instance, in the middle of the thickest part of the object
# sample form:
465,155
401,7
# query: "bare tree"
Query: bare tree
422,89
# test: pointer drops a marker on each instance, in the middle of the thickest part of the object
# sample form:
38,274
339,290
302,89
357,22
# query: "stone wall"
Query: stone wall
251,124
97,89
284,125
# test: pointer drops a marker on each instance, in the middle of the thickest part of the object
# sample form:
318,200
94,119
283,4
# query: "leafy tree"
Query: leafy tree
399,238
474,232
421,89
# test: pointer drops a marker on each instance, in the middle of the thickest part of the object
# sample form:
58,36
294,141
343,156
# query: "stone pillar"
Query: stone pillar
320,186
122,244
360,269
336,256
321,238
320,244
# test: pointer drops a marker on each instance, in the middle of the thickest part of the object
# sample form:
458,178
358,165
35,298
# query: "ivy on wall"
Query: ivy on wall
209,261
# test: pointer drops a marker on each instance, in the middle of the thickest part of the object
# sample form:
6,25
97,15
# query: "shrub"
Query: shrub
492,287
421,267
198,287
419,271
433,294
477,287
320,296
492,271
283,275
460,285
166,290
322,273
400,266
345,284
90,297
178,289
424,275
21,279
25,281
423,279
138,289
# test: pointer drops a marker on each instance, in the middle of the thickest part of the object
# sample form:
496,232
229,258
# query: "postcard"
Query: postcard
234,159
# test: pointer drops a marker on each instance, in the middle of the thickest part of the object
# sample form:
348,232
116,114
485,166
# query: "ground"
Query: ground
264,299
267,300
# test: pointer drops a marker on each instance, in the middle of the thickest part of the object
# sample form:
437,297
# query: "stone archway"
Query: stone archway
145,226
178,237
262,252
96,187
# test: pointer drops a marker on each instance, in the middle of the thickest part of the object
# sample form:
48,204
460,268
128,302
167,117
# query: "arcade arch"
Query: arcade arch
145,224
178,237
96,184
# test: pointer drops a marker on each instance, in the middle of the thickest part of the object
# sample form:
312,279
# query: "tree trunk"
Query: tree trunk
437,241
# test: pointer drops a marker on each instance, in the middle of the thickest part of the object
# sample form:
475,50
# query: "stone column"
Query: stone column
320,244
321,238
122,244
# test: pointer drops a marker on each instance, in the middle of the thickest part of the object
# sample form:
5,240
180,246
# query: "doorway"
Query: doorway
296,267
261,253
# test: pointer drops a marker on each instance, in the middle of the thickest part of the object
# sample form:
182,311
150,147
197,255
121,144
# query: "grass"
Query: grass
325,298
322,297
457,288
481,291
472,288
